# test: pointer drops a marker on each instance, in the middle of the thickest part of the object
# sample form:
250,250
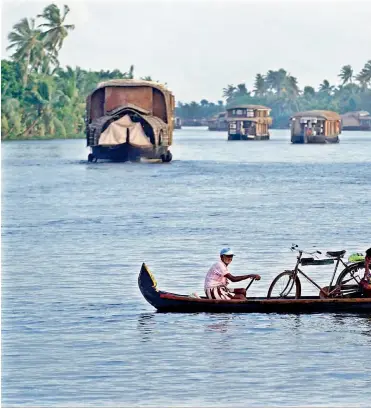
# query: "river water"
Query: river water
75,328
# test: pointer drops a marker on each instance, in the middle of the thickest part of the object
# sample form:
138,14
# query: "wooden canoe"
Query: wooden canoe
171,302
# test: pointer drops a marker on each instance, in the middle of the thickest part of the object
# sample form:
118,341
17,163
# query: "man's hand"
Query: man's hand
256,277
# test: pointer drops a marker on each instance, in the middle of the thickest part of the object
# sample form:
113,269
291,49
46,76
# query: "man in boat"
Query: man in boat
218,277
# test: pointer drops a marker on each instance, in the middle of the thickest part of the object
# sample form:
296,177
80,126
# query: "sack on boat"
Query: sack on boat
356,257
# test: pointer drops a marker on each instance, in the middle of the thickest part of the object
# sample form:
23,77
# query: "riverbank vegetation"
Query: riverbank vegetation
280,91
41,99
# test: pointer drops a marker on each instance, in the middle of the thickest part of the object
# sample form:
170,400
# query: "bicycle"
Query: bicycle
347,283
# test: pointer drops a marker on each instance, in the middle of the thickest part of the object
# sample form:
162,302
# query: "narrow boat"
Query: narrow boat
172,302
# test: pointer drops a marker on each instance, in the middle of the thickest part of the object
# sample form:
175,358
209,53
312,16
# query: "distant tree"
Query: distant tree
229,91
260,86
364,77
325,87
346,74
309,91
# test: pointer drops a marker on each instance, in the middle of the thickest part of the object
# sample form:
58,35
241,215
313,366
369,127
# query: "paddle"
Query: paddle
252,280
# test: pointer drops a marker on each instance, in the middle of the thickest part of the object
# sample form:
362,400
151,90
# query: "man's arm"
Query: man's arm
233,278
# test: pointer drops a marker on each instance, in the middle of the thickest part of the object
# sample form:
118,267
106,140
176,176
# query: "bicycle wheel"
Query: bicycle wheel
283,285
349,279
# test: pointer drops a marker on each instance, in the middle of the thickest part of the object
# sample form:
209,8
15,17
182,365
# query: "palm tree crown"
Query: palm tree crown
56,31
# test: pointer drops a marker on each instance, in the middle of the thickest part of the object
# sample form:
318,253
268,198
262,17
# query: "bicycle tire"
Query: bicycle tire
349,279
288,287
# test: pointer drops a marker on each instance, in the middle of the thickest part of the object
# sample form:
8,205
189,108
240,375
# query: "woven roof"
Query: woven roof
132,82
267,119
248,107
323,114
356,114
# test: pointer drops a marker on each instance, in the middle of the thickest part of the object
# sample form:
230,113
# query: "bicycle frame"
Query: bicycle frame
297,271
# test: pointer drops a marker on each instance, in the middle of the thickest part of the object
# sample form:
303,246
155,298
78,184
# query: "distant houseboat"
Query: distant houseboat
177,123
218,122
316,126
127,119
360,120
248,122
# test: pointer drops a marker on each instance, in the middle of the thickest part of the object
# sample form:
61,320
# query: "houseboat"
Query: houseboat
360,120
248,122
177,123
218,122
316,126
128,119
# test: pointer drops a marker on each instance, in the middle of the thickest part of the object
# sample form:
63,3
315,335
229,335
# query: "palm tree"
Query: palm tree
276,79
364,77
346,74
228,92
130,74
241,90
28,44
42,107
325,87
291,86
260,87
56,31
309,91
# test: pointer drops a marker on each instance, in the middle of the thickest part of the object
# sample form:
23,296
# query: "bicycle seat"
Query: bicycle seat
336,254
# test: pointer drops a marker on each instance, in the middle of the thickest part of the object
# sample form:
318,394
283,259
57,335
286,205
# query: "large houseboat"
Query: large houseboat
248,122
316,126
218,122
127,119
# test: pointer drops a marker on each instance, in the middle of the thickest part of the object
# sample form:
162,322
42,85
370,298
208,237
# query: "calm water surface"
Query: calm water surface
75,328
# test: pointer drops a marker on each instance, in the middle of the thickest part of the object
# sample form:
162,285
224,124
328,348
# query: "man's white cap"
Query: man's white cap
226,251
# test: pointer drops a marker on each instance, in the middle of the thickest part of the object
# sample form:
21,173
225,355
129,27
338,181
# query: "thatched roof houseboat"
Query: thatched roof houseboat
248,122
315,126
218,122
359,120
127,119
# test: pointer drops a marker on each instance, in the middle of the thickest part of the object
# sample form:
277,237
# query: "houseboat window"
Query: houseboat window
250,113
239,112
234,112
232,125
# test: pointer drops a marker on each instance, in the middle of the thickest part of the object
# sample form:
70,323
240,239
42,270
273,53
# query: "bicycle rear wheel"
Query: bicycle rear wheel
284,286
349,279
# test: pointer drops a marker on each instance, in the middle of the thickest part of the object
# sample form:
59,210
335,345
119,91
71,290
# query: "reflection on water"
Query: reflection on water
75,327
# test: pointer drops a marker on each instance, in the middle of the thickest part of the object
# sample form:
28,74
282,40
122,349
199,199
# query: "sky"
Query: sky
198,47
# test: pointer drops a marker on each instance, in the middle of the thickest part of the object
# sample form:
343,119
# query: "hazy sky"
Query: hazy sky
199,47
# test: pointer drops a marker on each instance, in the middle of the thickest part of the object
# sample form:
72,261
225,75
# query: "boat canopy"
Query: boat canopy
318,114
254,107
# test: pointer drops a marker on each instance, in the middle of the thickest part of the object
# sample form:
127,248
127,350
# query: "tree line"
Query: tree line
279,91
41,99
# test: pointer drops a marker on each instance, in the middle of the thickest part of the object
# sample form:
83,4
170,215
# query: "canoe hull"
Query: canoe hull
171,302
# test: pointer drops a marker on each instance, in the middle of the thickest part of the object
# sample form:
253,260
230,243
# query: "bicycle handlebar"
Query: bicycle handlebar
295,247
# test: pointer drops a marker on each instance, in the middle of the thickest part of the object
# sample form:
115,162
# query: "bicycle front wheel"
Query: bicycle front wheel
350,278
285,285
